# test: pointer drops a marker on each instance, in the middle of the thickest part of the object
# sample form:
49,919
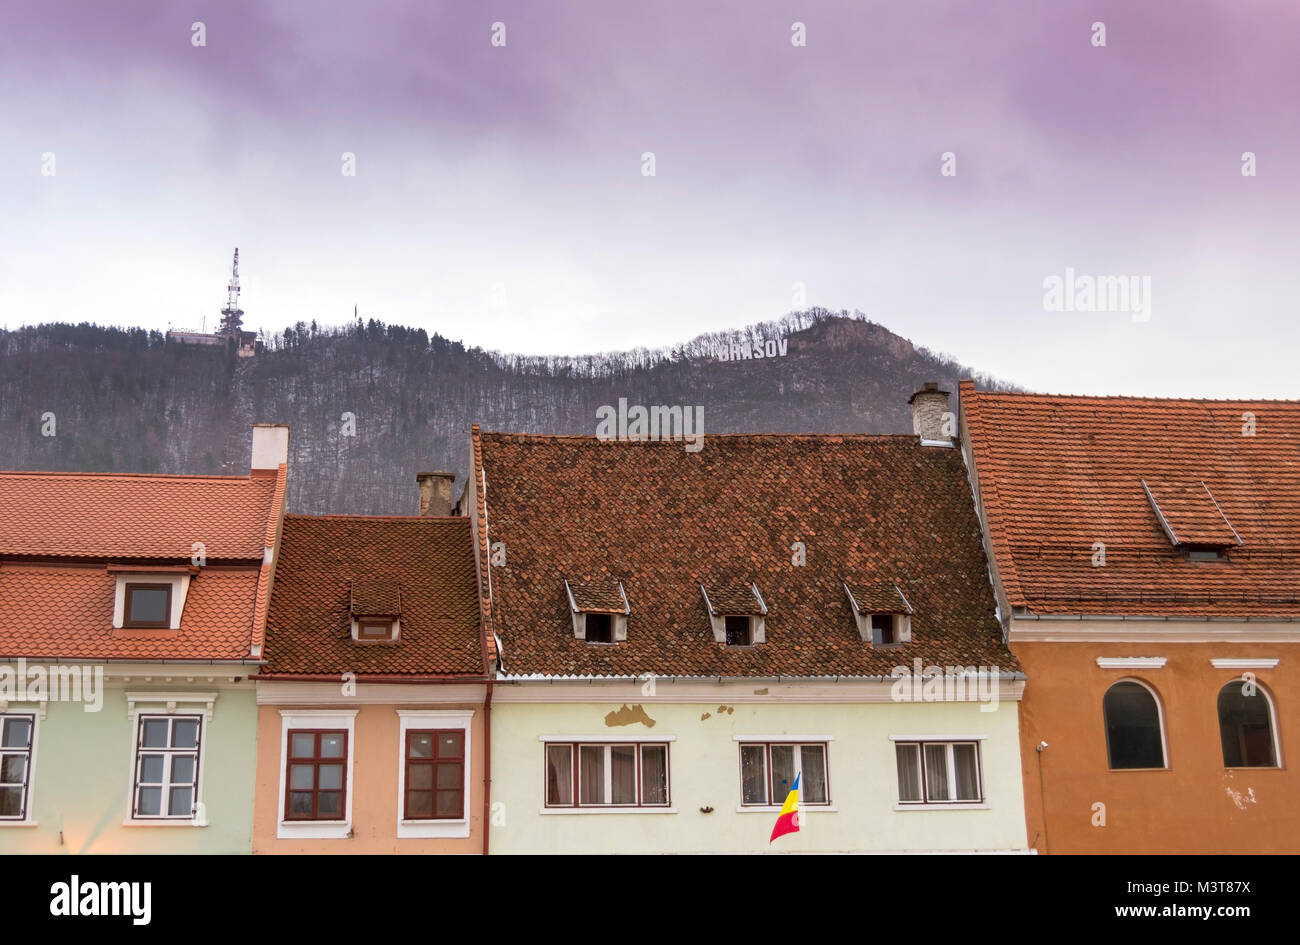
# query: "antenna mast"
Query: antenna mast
232,316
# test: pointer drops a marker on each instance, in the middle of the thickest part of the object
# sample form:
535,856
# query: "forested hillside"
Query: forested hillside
371,404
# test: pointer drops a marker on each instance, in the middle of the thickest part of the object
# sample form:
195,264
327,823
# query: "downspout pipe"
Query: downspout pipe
487,764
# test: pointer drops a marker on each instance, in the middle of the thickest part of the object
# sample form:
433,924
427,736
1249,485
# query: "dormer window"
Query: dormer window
738,630
882,613
147,605
737,613
370,629
1190,517
376,611
599,609
150,597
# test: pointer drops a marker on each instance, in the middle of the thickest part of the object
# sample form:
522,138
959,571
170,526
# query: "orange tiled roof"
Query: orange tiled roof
60,533
112,515
869,509
1059,474
430,560
60,611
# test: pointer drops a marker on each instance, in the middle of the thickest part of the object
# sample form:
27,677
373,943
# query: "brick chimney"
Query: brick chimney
435,492
270,447
929,404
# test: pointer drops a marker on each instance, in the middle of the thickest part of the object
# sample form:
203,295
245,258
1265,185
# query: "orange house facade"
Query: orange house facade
372,705
1145,554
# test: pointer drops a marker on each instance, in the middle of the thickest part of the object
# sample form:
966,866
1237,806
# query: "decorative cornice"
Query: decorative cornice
1131,662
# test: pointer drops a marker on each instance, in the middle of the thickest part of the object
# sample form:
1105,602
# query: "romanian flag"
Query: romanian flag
788,821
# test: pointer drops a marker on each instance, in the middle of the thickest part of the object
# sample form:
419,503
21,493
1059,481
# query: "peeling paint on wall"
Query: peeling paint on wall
760,692
1242,800
629,715
729,709
706,715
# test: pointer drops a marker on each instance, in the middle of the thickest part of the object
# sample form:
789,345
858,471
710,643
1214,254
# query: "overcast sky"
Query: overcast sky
499,194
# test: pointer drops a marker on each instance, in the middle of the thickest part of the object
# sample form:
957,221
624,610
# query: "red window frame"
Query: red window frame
434,762
315,760
129,621
769,773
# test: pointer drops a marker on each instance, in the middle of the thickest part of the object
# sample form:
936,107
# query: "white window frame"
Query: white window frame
1272,725
168,753
36,712
165,704
180,584
638,742
767,743
315,719
418,719
948,742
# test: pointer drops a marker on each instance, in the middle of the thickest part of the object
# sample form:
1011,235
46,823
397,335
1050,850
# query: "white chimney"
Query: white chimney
931,420
270,446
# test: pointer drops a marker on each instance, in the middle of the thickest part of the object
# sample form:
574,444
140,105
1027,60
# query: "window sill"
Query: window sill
774,809
608,810
186,822
313,829
432,829
925,807
18,823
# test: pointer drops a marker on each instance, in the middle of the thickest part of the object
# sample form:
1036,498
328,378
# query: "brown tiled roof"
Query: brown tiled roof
58,611
375,597
1060,475
665,521
737,600
322,558
879,598
602,596
111,515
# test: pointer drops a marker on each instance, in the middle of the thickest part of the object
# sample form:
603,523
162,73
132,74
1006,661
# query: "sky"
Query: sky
501,193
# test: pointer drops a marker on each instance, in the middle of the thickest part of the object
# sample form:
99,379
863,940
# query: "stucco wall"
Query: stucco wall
705,772
82,781
376,747
1196,805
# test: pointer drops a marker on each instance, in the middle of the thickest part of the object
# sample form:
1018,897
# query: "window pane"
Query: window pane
300,777
17,733
420,777
302,745
936,773
13,769
420,745
150,801
331,745
882,629
151,769
1245,727
812,784
559,775
185,733
149,605
450,776
966,768
419,804
737,630
182,769
654,774
330,805
598,628
1132,727
449,804
11,802
782,772
300,804
181,800
591,774
155,733
329,777
623,765
909,772
753,774
451,745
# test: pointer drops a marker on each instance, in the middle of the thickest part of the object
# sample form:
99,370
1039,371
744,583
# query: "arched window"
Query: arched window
1134,736
1246,726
